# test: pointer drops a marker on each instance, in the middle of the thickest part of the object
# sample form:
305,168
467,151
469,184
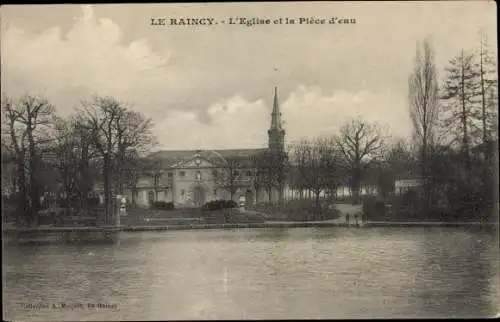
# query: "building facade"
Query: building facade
193,177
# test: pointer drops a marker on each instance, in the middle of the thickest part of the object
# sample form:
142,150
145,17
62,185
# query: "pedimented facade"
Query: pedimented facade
191,178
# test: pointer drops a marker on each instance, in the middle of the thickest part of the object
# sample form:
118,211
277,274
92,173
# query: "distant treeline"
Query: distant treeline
453,150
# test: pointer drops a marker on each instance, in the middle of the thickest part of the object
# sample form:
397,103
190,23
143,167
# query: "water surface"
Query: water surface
258,274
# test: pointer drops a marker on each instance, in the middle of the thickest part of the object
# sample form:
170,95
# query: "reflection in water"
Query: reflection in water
260,274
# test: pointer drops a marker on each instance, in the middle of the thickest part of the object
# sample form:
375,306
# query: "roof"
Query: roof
168,158
185,154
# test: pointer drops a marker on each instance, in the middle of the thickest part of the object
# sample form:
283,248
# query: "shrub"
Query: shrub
374,208
163,205
219,204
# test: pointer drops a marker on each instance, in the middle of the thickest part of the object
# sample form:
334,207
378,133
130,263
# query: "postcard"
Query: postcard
259,160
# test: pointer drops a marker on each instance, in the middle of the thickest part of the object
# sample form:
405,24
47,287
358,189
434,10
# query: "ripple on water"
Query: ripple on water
261,273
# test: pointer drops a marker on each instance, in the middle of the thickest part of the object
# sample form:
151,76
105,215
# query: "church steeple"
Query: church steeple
276,132
276,115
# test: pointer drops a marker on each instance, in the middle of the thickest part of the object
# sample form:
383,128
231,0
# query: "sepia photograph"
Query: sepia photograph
250,160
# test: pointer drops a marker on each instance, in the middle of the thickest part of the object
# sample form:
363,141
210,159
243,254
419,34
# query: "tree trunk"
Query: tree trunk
465,137
22,198
33,185
355,187
317,211
424,173
107,194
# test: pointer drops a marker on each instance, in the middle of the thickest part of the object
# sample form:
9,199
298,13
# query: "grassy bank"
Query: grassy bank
297,210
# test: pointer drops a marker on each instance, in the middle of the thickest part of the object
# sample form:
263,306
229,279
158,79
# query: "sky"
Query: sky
212,87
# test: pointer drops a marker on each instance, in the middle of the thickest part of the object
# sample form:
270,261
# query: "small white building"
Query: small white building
403,185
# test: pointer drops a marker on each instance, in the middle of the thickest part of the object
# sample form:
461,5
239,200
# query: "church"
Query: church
190,178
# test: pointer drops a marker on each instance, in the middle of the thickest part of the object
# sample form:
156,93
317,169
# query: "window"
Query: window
151,196
198,176
182,192
182,173
249,173
215,192
215,173
236,173
170,174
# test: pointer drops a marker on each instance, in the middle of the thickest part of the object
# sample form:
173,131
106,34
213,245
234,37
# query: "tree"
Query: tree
488,115
424,107
315,166
73,156
487,90
270,171
360,143
397,161
134,136
460,100
112,130
228,175
25,125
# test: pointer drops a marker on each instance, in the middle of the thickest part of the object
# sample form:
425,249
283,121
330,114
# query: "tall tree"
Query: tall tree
113,129
134,137
460,98
25,123
488,115
73,156
360,143
424,107
487,89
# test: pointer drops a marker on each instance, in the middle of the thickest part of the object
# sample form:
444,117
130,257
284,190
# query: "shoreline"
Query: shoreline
111,234
268,224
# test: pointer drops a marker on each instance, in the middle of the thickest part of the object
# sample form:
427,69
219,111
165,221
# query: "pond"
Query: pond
258,274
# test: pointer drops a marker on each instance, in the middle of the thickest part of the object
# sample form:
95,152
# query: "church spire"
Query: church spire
276,115
276,132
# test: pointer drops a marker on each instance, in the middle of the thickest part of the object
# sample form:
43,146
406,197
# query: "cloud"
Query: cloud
88,58
310,112
235,123
213,87
306,112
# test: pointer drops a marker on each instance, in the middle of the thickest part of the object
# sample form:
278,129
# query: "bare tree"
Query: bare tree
113,129
487,89
270,172
423,94
25,123
315,164
73,156
263,173
228,175
360,143
134,137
